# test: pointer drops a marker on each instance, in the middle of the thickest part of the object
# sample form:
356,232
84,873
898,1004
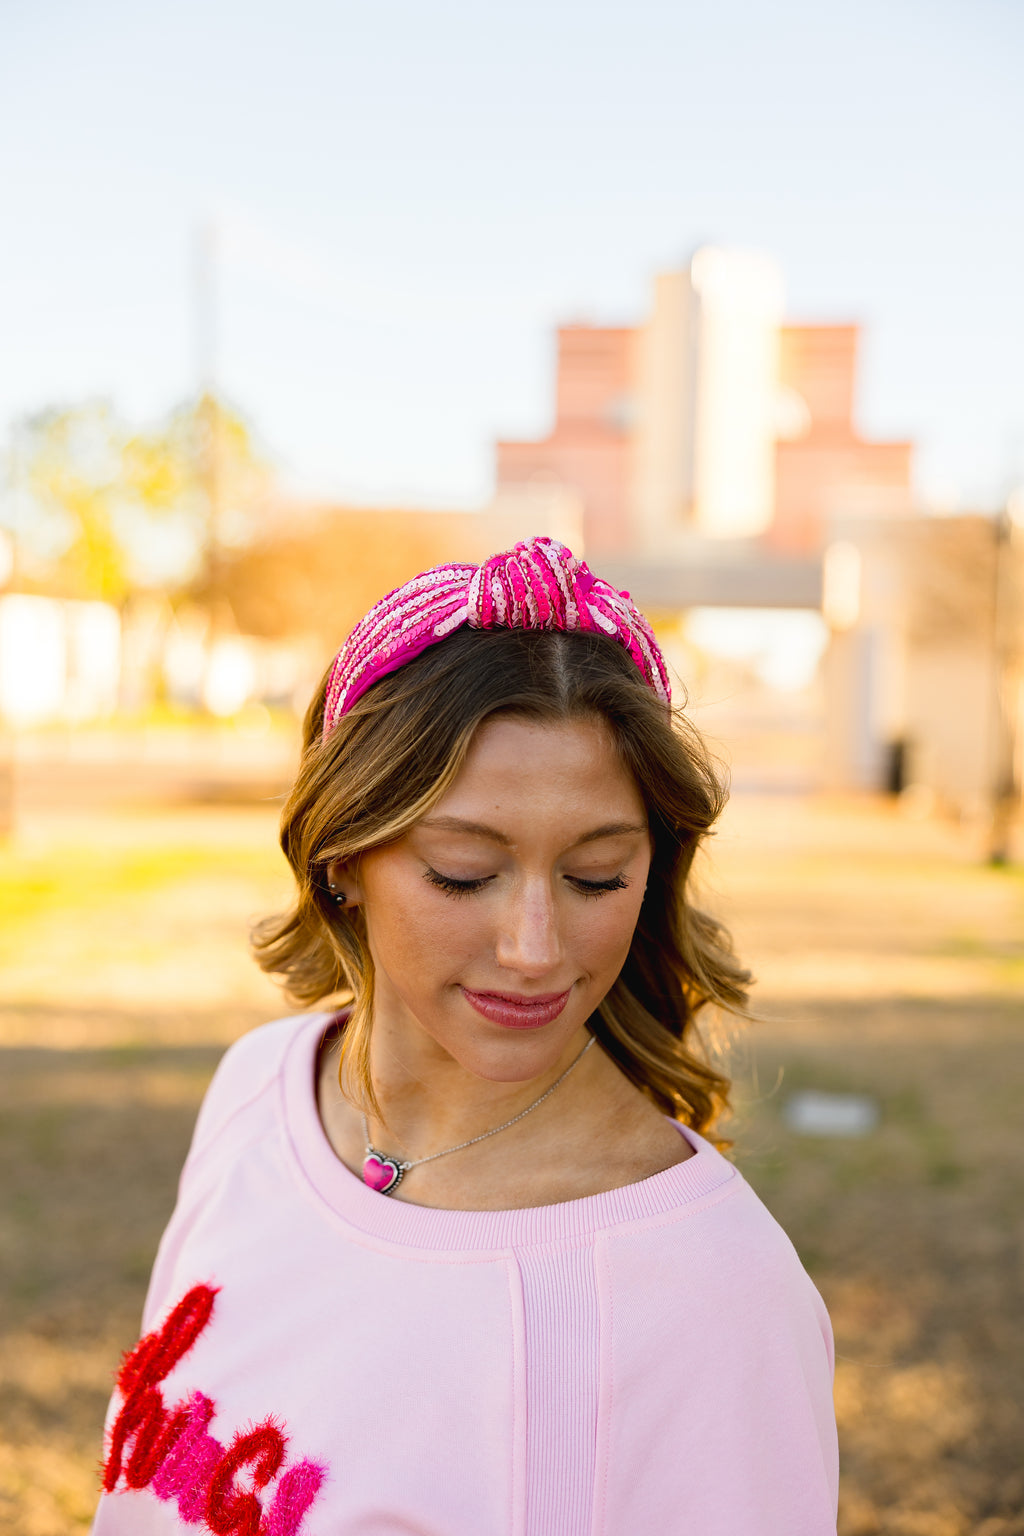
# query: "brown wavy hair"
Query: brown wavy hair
393,756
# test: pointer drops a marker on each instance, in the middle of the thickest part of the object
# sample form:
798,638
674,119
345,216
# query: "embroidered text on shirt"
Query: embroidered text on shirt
171,1450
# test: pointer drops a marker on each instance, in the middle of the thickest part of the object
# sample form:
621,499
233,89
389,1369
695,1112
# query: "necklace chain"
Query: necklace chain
415,1162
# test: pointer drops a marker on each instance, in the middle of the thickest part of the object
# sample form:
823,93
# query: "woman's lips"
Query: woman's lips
517,1012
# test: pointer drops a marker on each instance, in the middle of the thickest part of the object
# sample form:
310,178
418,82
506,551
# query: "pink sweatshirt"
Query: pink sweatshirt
327,1361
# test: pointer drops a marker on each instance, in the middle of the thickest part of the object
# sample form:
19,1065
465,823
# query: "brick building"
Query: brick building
712,418
825,468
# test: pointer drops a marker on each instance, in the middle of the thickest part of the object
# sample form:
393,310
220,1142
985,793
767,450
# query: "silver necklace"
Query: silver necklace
384,1173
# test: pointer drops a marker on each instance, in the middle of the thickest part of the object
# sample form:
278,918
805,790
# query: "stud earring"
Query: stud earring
338,894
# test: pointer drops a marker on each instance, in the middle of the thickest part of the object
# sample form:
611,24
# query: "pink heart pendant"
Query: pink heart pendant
381,1173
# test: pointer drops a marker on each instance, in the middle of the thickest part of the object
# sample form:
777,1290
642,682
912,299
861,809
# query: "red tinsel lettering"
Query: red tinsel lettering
172,1451
230,1511
142,1414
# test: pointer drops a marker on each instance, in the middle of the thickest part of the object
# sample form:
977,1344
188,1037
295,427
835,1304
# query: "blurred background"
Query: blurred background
298,300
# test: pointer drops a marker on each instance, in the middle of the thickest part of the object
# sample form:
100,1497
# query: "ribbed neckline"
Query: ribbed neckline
425,1227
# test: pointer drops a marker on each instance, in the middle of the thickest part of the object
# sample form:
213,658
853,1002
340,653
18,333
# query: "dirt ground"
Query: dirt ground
891,963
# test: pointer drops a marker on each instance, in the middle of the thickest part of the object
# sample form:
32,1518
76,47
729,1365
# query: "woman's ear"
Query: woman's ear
343,884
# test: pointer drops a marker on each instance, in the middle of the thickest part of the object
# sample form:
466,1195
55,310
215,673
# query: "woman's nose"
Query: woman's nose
529,941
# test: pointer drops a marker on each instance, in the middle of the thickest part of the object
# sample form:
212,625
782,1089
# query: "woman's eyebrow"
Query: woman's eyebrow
479,829
474,828
613,829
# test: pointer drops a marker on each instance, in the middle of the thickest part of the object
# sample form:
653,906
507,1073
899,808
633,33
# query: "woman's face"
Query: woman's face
500,921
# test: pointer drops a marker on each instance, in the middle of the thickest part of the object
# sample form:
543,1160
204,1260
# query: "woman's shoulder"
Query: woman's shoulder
249,1068
720,1240
728,1201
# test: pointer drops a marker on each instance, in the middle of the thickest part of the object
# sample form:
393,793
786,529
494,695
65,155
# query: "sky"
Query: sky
408,196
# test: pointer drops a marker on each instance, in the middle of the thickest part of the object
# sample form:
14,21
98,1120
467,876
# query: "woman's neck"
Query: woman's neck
429,1101
595,1132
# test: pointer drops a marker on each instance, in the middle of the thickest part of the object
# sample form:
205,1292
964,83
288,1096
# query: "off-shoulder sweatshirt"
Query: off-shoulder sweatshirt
322,1360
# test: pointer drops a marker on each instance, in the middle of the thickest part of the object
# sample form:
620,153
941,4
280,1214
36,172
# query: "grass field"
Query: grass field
891,963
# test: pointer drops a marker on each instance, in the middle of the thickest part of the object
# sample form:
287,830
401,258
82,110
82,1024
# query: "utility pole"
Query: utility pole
1008,665
208,405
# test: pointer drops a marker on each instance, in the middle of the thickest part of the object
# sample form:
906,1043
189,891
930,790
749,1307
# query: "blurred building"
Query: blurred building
823,469
711,419
708,460
721,477
924,672
59,660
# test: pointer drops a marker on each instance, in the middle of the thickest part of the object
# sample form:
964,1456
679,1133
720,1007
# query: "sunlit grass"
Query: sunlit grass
79,878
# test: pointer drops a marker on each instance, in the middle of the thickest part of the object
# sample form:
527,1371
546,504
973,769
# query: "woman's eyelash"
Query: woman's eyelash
453,887
598,887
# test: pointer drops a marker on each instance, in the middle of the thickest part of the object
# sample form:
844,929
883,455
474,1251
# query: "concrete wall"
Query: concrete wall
919,664
739,299
662,474
707,366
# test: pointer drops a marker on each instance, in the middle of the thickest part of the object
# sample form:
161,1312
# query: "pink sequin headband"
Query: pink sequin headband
537,585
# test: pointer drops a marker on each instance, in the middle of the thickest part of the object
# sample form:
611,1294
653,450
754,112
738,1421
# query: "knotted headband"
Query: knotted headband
537,585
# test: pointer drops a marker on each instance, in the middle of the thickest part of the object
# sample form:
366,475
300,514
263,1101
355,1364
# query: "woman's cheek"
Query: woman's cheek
443,931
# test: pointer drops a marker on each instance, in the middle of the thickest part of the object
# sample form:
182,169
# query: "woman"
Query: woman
458,1260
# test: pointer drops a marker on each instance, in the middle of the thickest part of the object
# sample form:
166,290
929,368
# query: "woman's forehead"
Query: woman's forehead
569,767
